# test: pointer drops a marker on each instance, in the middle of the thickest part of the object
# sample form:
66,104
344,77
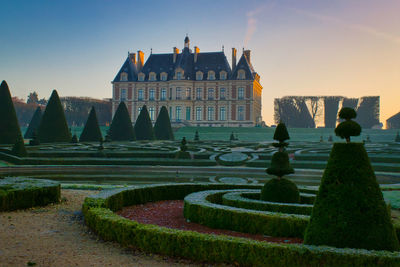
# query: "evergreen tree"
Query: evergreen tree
348,127
196,136
349,211
34,140
74,139
143,126
19,148
9,127
121,128
53,126
34,124
162,127
91,132
279,189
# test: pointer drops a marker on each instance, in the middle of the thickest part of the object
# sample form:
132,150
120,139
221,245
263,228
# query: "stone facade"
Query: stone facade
198,89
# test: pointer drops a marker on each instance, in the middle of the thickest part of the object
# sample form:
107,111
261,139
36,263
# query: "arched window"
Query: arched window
124,77
241,75
152,76
211,75
163,76
222,75
199,76
141,77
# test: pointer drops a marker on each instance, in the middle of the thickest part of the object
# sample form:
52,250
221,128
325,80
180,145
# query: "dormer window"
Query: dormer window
141,77
241,75
152,76
163,76
222,75
199,76
179,75
124,77
211,75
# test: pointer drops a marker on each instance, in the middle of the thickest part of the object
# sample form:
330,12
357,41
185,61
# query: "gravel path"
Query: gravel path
55,235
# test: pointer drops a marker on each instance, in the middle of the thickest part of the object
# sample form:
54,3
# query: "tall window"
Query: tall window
152,113
222,75
199,76
188,113
210,94
140,94
240,113
152,77
211,75
240,93
141,77
187,95
198,113
163,94
151,94
198,93
123,94
139,110
222,113
170,113
222,93
179,75
178,93
178,113
210,114
163,77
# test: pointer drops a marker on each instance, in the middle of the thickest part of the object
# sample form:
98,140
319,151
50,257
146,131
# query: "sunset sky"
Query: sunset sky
341,47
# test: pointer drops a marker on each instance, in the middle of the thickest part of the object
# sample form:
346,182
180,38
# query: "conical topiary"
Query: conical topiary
397,138
280,166
121,128
34,124
19,148
91,132
196,136
232,137
9,127
74,139
143,126
34,140
348,127
183,153
349,211
162,127
53,126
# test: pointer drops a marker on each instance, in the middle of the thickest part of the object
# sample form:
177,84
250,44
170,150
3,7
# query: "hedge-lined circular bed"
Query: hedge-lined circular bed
250,200
22,193
100,217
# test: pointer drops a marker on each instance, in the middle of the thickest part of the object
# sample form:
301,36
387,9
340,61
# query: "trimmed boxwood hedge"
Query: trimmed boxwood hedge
205,208
239,200
211,248
22,193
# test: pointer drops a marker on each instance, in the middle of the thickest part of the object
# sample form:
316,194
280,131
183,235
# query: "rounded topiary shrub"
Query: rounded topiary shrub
347,128
280,164
349,211
280,190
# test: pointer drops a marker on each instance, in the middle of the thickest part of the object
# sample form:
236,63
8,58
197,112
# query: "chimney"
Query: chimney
132,57
140,62
233,58
247,55
196,52
176,52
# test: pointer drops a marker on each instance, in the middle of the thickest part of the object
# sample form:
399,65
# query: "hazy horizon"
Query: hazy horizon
347,48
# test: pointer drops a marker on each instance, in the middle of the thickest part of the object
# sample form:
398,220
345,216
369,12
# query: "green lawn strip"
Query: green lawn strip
393,197
210,248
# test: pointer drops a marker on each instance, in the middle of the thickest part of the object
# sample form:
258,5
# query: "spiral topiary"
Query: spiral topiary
280,166
348,127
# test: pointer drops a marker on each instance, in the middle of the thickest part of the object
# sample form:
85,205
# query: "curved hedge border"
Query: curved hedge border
22,193
241,200
201,207
202,247
221,161
305,196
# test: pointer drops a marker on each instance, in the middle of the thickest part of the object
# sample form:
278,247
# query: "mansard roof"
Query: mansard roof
129,68
245,65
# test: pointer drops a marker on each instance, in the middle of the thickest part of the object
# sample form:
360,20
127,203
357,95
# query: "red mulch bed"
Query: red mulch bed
169,214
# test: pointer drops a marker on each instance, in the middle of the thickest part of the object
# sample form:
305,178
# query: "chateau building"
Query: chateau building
198,88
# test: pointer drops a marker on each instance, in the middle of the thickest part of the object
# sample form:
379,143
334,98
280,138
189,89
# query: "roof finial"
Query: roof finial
151,51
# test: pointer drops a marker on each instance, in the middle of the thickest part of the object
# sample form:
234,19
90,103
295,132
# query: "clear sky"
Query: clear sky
299,47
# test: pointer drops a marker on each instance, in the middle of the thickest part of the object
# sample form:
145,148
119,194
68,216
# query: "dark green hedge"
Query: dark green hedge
210,248
109,154
240,200
22,193
201,207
